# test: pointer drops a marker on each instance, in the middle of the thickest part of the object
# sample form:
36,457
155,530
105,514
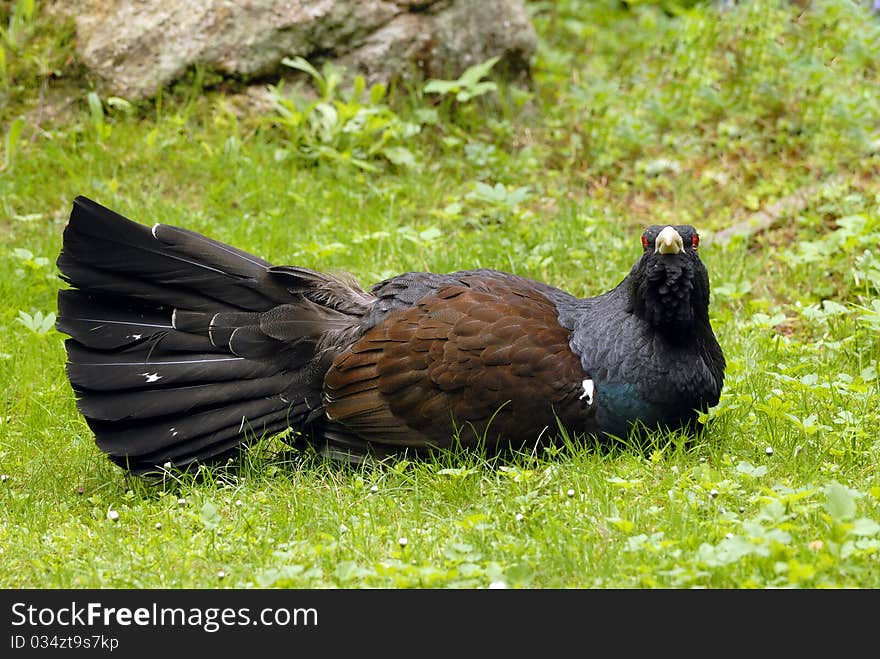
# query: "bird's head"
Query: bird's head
669,285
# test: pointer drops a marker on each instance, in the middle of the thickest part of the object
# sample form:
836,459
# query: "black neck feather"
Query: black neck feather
671,293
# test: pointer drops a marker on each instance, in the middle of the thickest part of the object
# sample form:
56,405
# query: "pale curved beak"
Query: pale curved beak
668,242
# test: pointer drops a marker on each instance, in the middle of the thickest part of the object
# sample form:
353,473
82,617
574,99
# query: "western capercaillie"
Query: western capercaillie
183,348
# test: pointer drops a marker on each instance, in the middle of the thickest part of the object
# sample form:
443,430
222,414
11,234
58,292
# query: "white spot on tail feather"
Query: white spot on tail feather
210,328
152,377
589,388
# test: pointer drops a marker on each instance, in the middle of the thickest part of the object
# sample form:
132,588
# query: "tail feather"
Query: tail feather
251,343
136,404
182,347
103,282
212,447
170,257
175,431
137,369
99,324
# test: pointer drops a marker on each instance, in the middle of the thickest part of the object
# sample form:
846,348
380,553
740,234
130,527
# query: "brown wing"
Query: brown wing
493,363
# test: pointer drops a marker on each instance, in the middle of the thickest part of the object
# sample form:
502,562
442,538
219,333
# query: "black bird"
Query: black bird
183,349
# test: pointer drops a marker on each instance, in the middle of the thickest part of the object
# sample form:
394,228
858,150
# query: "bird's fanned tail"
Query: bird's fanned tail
173,352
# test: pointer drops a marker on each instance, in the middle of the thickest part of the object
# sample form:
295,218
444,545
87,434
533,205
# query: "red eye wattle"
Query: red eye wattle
644,241
695,241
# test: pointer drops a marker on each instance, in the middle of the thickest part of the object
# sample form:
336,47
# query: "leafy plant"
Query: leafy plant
38,323
96,113
498,202
29,259
499,195
342,128
468,85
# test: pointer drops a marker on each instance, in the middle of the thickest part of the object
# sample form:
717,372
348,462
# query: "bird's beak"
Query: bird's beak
668,242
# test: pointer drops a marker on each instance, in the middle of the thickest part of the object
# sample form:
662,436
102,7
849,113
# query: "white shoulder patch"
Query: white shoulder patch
589,388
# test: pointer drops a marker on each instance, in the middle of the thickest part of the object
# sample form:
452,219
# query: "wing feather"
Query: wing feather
453,361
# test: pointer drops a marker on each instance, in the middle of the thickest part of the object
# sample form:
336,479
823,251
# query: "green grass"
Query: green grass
635,116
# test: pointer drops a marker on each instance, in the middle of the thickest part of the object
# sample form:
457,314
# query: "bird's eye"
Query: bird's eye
644,241
695,241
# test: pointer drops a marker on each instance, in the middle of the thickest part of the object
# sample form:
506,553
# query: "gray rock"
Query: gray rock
138,46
